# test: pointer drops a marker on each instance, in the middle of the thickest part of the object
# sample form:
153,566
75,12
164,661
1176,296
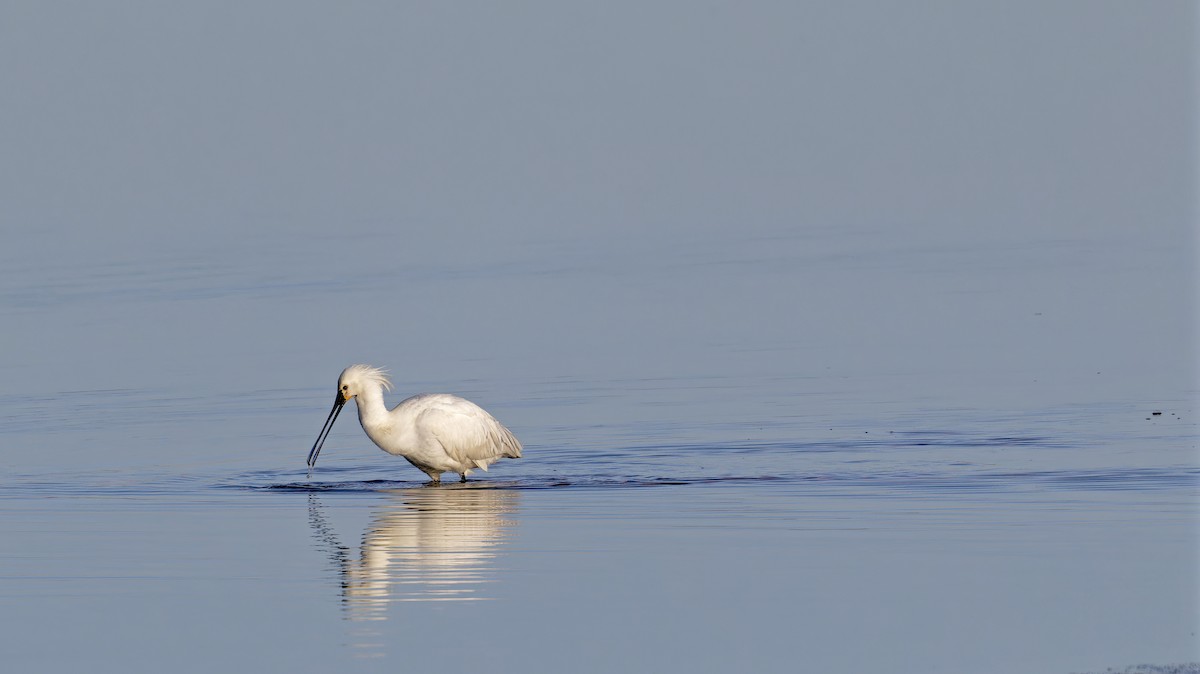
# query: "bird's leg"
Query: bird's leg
463,476
434,476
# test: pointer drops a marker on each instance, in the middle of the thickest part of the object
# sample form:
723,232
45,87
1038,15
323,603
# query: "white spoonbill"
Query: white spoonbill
436,432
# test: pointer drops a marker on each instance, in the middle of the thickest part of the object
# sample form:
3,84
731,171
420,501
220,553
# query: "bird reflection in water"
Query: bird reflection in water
421,545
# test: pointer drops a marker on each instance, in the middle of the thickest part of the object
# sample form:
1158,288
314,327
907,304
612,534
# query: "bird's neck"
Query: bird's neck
372,413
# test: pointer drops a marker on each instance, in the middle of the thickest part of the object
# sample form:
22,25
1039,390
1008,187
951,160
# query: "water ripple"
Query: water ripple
893,465
880,482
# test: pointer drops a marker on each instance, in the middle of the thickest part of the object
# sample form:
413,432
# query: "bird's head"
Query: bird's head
355,380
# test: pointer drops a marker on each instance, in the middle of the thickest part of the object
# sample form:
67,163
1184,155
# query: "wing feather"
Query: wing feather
467,432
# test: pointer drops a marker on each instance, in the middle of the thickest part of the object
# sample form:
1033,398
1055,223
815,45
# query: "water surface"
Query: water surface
841,337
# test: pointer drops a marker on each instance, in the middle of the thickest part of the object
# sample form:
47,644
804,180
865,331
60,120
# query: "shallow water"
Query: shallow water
764,496
840,338
988,545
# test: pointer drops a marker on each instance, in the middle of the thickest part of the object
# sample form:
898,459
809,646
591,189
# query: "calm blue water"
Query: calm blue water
841,337
758,487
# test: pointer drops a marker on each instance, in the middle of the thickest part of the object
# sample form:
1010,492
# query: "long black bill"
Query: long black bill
333,415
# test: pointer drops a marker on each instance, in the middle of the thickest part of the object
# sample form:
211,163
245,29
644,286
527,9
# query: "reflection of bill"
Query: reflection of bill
423,544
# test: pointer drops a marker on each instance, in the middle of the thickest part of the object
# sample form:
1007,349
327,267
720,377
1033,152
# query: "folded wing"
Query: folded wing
467,432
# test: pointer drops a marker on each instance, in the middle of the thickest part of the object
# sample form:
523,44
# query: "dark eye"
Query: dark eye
345,387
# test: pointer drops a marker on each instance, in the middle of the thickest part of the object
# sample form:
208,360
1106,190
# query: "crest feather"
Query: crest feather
369,373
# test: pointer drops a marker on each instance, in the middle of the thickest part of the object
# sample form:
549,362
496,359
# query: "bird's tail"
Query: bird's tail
512,446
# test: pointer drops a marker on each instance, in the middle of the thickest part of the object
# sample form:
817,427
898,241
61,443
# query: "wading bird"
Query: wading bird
436,432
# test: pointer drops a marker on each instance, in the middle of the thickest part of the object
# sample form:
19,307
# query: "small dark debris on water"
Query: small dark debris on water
1157,414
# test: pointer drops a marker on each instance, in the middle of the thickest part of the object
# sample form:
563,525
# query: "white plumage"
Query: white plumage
436,432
